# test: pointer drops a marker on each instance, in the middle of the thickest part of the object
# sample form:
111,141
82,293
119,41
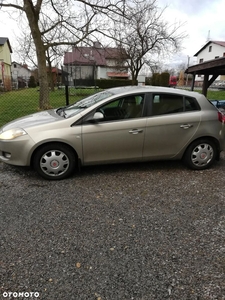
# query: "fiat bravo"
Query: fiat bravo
125,124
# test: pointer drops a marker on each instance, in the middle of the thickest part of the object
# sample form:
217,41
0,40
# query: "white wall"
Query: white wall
19,71
205,54
101,72
216,50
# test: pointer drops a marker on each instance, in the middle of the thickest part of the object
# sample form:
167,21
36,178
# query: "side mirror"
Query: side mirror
98,116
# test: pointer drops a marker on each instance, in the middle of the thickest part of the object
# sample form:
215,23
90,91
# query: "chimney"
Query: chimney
97,45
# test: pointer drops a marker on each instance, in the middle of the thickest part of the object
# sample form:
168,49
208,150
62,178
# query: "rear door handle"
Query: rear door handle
136,131
186,126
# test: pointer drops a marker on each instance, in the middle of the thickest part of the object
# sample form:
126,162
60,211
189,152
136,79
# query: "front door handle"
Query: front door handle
136,131
186,126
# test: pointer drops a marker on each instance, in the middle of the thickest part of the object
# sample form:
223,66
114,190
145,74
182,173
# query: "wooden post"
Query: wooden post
205,84
193,82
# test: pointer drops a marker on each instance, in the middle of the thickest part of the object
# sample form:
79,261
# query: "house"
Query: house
20,75
86,64
56,75
210,51
5,63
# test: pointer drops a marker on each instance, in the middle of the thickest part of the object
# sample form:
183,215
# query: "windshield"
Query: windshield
77,107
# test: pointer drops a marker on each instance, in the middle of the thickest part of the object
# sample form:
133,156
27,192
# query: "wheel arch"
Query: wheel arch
54,143
210,138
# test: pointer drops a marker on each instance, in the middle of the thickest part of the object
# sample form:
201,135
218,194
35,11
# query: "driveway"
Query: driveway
143,231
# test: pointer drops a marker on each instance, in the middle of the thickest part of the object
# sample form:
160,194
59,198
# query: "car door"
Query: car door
118,136
173,123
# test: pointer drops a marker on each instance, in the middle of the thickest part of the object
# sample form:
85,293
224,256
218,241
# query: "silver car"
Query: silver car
126,124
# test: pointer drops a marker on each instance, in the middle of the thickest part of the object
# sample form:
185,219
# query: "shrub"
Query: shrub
109,83
164,79
158,79
32,82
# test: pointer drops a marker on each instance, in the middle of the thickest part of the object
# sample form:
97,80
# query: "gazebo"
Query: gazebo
211,69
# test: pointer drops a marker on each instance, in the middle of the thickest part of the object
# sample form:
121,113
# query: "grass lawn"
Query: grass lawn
216,95
19,103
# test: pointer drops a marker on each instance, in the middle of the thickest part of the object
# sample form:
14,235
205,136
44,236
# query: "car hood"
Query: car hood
39,118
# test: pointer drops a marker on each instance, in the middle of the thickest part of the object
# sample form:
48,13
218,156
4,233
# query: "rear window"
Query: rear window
170,104
191,104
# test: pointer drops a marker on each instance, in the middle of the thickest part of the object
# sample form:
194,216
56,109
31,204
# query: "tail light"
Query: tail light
221,117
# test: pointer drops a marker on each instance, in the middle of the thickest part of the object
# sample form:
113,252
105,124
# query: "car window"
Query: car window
126,107
191,104
170,103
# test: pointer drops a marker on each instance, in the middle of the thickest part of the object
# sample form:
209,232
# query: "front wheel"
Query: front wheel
200,155
54,161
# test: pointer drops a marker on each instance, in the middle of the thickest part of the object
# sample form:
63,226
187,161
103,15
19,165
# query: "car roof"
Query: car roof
153,89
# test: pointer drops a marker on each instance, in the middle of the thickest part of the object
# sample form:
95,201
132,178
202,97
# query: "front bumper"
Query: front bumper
17,151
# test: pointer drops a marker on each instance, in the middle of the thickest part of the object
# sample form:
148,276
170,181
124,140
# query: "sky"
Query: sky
202,19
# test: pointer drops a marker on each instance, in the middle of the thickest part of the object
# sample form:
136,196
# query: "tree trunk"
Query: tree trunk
43,78
50,74
32,14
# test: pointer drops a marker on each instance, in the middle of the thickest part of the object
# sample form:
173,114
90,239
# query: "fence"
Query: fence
21,96
23,101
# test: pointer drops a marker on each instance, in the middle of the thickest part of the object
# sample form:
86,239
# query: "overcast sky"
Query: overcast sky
202,18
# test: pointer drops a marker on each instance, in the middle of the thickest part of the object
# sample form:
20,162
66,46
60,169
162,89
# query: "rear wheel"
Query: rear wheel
54,161
200,155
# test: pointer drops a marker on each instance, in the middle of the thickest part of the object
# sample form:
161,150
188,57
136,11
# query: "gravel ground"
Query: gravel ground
139,231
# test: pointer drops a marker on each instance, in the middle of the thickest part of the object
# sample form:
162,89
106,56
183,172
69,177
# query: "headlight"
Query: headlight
12,134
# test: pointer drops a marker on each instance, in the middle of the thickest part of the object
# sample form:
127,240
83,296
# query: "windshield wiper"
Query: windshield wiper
81,106
61,112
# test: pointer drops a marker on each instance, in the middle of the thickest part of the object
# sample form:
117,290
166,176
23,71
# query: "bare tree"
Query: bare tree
25,50
55,23
144,33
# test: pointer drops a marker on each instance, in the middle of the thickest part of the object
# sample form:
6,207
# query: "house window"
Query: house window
14,65
201,60
216,56
223,54
210,48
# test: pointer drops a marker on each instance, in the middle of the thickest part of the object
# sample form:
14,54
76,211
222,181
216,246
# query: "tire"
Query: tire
54,161
200,155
